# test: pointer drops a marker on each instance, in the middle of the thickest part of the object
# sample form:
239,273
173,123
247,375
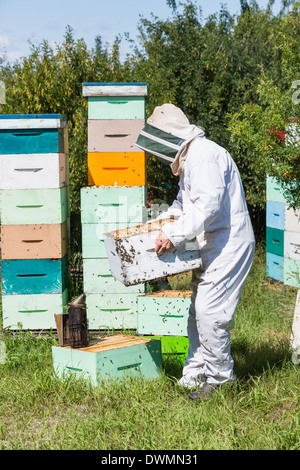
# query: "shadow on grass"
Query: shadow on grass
249,360
173,364
254,360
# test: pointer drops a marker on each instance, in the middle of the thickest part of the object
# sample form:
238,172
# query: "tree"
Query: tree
49,81
265,134
212,70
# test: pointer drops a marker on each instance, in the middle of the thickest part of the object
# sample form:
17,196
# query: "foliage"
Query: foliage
232,75
260,412
50,81
216,69
265,134
265,142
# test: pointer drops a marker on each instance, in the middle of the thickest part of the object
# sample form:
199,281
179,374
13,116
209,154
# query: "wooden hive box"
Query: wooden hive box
116,168
292,219
34,241
93,238
275,241
275,266
110,204
292,245
35,171
33,133
38,276
291,276
114,135
133,260
275,215
113,357
34,206
118,101
163,313
99,279
33,311
111,311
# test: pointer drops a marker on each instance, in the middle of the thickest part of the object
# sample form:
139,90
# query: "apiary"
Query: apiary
133,260
116,356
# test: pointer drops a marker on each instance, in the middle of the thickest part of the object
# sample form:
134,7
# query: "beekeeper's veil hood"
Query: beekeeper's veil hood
167,135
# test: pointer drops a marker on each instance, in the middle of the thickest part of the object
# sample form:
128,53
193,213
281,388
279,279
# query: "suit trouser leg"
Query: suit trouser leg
215,296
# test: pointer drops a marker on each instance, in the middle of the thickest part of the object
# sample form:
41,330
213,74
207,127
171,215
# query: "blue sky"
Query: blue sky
35,20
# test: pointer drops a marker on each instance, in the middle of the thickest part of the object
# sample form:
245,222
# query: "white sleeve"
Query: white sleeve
206,193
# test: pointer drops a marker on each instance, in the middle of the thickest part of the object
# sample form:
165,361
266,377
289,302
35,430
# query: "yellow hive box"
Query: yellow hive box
116,168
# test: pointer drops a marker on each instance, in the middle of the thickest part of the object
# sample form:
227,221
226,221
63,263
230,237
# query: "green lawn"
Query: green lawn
261,410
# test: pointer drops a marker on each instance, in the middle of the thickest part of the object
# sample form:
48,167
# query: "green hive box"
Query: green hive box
163,313
113,357
173,344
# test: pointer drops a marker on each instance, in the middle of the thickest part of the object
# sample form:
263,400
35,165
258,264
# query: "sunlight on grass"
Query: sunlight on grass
260,411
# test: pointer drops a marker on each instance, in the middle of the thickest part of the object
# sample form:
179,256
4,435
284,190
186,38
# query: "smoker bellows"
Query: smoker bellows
132,257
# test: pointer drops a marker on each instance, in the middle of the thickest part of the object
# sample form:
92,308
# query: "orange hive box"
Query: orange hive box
116,168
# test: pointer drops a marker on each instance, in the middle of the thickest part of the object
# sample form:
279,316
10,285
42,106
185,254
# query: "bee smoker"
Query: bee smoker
72,326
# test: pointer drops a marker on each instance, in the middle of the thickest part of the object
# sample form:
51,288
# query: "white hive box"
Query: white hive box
133,260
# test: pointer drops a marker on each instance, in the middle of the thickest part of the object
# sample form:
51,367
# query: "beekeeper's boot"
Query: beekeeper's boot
204,392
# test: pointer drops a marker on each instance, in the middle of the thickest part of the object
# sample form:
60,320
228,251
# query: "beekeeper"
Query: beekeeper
210,206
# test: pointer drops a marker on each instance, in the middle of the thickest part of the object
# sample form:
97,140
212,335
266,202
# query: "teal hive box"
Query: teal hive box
111,311
34,276
275,241
31,141
110,204
33,311
129,107
33,133
34,206
99,279
275,266
163,313
113,357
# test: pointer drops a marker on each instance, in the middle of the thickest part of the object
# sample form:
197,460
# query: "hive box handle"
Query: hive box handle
22,134
116,135
117,168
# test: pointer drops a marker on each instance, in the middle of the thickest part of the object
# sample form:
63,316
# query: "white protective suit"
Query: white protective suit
211,206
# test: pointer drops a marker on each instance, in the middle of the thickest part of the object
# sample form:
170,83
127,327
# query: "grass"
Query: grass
260,411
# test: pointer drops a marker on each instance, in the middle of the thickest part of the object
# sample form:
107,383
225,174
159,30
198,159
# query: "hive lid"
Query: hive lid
114,89
33,121
113,342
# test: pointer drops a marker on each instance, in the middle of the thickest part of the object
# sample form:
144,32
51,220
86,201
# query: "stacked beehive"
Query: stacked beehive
282,236
164,313
34,196
115,197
